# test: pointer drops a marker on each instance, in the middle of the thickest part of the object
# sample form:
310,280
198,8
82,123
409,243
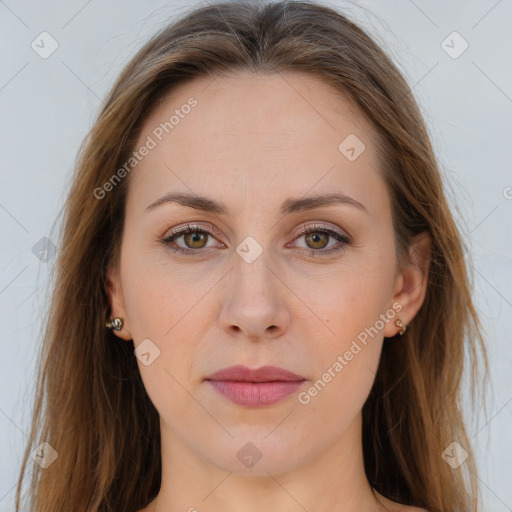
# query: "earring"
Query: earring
115,323
401,326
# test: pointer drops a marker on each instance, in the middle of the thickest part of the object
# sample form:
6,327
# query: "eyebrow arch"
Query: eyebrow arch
289,206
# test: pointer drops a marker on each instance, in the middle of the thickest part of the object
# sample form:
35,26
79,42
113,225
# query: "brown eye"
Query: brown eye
195,239
317,240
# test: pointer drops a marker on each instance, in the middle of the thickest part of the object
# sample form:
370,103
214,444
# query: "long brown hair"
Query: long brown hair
91,405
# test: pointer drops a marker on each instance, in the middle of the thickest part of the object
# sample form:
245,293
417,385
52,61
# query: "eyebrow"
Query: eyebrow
289,206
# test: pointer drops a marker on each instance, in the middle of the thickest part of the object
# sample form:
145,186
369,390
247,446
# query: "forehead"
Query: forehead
279,134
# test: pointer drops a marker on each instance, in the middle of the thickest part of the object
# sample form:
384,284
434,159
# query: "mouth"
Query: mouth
255,388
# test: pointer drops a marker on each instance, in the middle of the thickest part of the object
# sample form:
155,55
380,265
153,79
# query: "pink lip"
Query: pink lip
255,388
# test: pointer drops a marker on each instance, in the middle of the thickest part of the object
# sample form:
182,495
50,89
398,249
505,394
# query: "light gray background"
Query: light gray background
48,105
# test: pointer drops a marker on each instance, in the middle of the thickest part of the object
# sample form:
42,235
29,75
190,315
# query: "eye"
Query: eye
194,237
317,238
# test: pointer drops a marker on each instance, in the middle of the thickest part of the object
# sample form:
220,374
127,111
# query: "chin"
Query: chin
257,454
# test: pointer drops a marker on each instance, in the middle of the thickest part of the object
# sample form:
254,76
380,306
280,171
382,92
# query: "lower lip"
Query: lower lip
256,394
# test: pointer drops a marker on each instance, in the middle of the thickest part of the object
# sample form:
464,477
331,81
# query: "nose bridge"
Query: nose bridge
251,276
253,304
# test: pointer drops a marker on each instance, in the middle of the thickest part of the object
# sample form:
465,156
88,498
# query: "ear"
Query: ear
411,283
116,302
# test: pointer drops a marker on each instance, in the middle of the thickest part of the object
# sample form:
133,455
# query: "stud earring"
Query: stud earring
401,326
115,323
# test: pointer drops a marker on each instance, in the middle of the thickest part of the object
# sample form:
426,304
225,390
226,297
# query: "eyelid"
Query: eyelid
179,231
300,231
334,232
191,226
326,227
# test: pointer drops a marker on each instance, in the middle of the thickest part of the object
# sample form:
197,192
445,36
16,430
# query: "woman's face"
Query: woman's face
251,288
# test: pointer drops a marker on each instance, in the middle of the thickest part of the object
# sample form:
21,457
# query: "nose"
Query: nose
255,305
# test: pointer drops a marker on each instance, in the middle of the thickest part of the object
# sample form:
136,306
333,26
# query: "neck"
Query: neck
335,480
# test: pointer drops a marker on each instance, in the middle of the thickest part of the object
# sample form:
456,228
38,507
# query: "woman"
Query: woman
261,301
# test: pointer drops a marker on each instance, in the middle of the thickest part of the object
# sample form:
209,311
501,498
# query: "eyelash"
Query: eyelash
305,230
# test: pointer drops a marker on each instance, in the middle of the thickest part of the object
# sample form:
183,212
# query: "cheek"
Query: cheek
333,401
350,355
353,303
164,321
167,308
348,360
156,295
355,309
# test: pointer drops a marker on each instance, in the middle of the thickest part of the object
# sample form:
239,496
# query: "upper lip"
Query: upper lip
242,373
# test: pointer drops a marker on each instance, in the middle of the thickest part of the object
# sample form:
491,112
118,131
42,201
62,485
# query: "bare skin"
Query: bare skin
253,142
